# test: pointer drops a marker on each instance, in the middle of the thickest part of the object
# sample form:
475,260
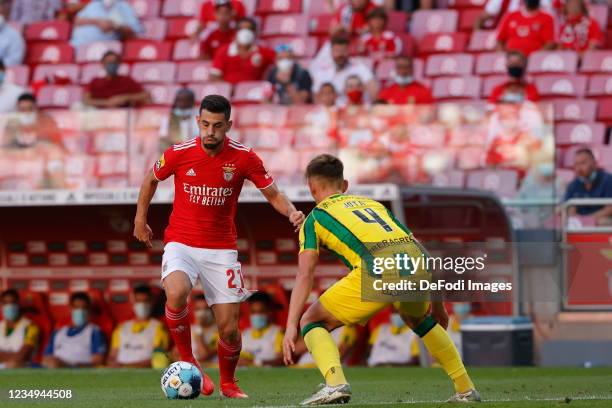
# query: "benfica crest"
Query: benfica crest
228,171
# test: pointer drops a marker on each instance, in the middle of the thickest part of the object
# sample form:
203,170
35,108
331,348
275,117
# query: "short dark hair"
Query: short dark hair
110,52
216,104
27,97
262,297
378,12
326,166
328,85
516,53
144,289
585,150
250,21
340,40
10,292
80,296
2,66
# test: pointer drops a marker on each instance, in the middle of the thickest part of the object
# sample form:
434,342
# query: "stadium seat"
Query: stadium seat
580,133
425,22
467,18
385,68
252,92
18,74
262,115
470,158
559,85
55,96
181,8
47,53
302,46
265,7
48,31
482,40
541,62
491,63
502,182
318,7
320,24
111,164
46,71
397,21
574,110
181,28
93,52
596,61
460,4
193,71
600,85
142,50
285,25
162,94
154,28
250,6
604,112
600,13
186,50
154,72
146,8
444,42
96,70
452,178
449,64
217,87
467,87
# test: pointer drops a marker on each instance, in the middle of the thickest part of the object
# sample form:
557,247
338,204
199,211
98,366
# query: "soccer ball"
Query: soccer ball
181,380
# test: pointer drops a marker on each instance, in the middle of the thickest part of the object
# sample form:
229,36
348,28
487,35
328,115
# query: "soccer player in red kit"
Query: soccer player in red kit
200,240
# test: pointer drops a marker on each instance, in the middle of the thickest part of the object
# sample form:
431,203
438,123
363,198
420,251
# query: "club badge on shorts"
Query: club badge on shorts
228,171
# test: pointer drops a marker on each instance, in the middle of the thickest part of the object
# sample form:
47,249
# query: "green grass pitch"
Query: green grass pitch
275,387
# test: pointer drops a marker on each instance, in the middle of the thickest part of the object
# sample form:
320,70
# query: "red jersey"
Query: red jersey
233,68
206,191
578,33
414,92
511,92
387,45
216,39
354,21
524,33
207,11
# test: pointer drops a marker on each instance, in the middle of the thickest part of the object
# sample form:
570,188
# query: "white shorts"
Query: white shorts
218,270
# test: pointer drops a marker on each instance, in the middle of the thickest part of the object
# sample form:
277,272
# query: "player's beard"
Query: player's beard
211,146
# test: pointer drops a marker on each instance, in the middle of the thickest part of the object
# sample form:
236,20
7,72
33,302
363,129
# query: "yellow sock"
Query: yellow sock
325,354
442,348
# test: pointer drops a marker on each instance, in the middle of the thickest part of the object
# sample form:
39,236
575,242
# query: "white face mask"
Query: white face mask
284,64
142,310
245,36
403,80
27,118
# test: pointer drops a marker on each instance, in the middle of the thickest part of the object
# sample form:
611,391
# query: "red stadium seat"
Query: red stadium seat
193,71
96,70
181,28
596,61
449,64
285,25
456,88
321,24
146,8
48,31
302,46
18,74
600,13
154,28
445,42
459,4
162,94
55,96
178,8
57,53
186,50
483,40
502,182
154,72
217,88
279,6
45,71
318,7
559,85
262,115
252,92
541,62
604,113
93,52
575,110
467,18
425,22
250,6
600,85
142,50
491,63
580,133
398,21
452,178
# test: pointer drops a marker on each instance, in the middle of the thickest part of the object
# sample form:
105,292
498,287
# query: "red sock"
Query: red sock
228,359
180,330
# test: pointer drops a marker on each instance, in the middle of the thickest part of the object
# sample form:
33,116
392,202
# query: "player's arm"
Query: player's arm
283,205
142,231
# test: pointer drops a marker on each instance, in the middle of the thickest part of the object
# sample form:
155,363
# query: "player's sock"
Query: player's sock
228,353
180,330
442,348
324,352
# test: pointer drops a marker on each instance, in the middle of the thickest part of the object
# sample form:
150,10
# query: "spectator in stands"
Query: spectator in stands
527,30
114,90
18,334
30,11
105,20
242,59
204,335
262,341
393,343
379,43
327,95
352,16
181,125
143,341
405,89
540,182
292,83
579,31
208,13
30,126
590,182
340,68
495,9
9,92
222,34
12,45
80,344
354,91
345,337
516,89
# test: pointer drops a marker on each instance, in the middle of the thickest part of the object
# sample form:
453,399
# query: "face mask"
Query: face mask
403,80
355,96
513,97
397,321
183,113
284,64
258,321
588,180
142,310
245,36
462,308
112,68
10,311
79,317
516,72
27,118
546,169
108,3
532,4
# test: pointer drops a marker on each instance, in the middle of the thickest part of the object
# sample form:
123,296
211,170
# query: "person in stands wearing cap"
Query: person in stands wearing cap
527,30
208,14
18,335
242,59
222,34
516,89
405,89
292,83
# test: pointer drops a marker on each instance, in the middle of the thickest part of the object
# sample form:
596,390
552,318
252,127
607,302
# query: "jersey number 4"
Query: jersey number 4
235,279
371,217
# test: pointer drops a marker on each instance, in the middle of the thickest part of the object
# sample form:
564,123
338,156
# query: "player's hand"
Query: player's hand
143,233
289,344
438,312
297,219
